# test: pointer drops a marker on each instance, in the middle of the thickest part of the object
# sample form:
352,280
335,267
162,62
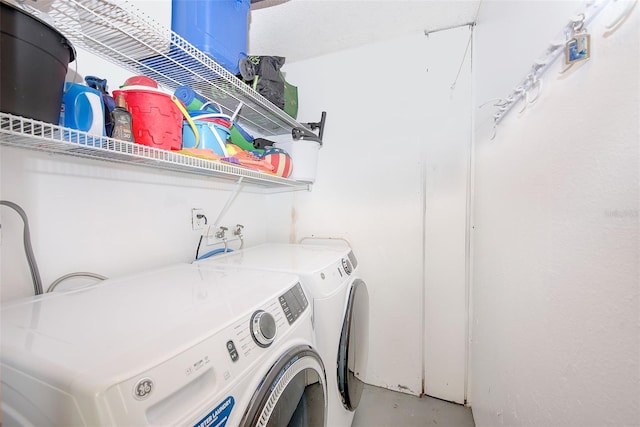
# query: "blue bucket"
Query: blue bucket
212,136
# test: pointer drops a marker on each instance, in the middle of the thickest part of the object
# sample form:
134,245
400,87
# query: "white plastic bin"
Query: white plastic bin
304,155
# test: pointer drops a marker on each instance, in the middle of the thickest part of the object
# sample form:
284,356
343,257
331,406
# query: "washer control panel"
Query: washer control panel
263,326
294,302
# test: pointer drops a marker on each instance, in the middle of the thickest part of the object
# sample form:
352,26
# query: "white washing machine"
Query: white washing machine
185,345
340,310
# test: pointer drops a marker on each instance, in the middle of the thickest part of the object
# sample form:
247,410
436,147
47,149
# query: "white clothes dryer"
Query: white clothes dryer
184,345
340,311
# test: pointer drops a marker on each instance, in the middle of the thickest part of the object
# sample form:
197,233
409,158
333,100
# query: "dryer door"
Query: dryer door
353,351
293,393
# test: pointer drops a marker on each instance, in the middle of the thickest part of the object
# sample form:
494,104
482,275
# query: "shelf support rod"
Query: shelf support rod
236,112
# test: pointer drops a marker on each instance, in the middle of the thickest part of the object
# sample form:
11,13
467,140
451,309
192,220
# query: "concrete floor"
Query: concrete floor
380,407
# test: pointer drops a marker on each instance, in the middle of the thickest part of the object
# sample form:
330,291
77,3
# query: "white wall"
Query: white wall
392,179
555,290
106,218
446,175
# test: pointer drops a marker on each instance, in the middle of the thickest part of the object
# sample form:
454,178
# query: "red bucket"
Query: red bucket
156,120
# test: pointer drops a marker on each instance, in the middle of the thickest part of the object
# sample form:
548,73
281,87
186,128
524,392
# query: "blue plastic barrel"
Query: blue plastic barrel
216,27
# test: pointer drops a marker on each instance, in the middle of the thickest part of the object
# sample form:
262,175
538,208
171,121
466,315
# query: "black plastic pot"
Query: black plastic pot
34,58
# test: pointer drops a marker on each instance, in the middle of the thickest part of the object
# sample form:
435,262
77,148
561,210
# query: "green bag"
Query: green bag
263,72
290,99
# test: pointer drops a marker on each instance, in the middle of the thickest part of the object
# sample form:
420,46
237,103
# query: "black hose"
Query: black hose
28,249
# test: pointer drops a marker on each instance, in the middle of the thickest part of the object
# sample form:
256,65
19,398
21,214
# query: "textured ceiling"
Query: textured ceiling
301,29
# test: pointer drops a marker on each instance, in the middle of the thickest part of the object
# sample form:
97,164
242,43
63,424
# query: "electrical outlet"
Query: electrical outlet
198,219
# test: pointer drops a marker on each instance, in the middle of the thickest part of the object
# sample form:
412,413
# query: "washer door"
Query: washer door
353,351
293,393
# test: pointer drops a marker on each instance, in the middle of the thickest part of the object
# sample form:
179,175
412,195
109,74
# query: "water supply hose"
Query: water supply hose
215,252
28,249
71,275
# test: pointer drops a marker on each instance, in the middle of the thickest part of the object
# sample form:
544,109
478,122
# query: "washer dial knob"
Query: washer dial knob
263,328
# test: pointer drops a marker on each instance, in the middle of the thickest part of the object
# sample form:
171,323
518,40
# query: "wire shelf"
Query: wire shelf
36,135
122,35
